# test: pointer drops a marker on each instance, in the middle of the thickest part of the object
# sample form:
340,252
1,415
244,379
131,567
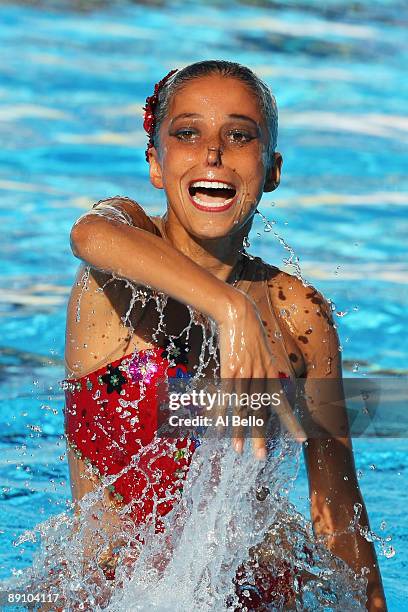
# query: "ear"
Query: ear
273,174
155,170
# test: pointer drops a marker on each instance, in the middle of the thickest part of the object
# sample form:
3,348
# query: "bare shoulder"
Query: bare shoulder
301,300
306,313
94,326
98,302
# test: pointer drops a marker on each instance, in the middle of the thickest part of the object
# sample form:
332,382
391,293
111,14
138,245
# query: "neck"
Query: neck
217,255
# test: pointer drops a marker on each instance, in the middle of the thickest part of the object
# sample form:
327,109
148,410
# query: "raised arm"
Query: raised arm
105,240
333,485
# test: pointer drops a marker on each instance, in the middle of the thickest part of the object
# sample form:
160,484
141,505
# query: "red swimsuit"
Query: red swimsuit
108,420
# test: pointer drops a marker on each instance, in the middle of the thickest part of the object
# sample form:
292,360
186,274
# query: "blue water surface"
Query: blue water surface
72,85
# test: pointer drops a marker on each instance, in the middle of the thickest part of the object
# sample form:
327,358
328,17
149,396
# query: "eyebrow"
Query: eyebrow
232,116
184,116
244,118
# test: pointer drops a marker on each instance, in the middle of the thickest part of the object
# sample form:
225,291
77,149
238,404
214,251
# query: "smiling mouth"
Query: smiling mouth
214,195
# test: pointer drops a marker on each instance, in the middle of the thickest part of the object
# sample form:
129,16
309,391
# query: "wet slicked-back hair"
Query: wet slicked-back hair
234,70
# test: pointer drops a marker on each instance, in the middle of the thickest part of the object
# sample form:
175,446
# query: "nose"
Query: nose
214,155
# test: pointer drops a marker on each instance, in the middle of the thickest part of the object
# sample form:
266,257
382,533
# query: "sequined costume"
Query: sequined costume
109,418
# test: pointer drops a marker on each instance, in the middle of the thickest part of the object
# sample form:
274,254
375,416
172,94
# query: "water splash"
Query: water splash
233,514
293,259
386,549
232,524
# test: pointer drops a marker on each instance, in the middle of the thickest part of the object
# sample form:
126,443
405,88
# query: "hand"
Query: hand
245,354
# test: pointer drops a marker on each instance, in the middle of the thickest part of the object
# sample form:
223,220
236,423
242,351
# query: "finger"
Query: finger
238,413
256,416
259,448
213,410
258,409
288,419
238,444
238,434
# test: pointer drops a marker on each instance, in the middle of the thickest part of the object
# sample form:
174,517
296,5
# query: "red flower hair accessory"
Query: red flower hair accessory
149,122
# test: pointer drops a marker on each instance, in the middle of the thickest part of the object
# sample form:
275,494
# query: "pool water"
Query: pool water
72,86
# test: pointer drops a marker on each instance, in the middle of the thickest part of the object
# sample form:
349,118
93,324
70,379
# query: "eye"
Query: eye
186,134
239,136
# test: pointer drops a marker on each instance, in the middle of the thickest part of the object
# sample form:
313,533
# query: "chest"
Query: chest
194,342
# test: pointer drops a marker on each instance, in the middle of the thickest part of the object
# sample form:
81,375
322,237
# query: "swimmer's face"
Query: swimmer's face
212,159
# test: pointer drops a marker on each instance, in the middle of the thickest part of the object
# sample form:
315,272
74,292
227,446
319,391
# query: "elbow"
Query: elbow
78,238
85,233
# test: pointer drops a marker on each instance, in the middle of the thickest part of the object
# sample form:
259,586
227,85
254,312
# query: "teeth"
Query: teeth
212,185
211,204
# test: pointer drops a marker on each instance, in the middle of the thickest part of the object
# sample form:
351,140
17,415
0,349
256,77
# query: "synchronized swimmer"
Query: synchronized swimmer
212,129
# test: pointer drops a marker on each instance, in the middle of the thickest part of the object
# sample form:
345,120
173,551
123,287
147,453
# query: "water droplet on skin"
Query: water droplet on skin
83,282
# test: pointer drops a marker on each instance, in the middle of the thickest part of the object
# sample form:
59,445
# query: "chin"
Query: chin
211,233
212,229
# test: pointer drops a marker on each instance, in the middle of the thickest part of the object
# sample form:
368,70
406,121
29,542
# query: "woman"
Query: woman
212,147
